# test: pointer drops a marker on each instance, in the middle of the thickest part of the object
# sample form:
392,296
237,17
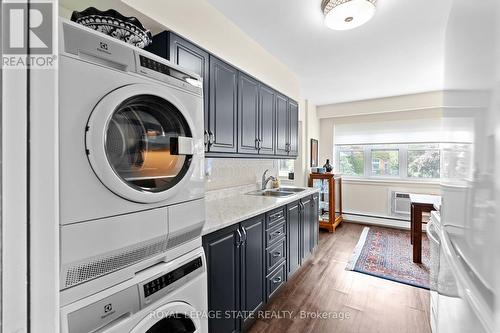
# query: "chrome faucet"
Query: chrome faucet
266,180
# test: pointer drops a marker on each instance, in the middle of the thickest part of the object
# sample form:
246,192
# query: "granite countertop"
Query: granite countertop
228,210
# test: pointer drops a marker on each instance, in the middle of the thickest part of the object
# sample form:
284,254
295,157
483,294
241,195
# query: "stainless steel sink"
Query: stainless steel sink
291,189
270,193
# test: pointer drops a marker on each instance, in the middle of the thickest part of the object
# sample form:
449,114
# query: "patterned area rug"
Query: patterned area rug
387,253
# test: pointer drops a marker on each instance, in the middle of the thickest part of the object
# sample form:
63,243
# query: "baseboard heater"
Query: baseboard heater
378,217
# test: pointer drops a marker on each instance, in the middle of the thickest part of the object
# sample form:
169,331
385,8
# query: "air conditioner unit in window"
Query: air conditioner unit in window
400,203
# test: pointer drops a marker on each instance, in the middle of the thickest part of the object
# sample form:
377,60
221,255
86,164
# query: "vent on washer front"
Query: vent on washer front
176,240
91,268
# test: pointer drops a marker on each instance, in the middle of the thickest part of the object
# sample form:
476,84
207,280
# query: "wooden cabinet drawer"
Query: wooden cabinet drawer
274,234
275,217
275,280
275,255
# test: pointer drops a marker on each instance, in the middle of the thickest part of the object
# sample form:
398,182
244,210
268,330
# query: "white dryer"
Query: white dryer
131,160
169,297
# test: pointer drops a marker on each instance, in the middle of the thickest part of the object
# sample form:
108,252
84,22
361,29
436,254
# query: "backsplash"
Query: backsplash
223,173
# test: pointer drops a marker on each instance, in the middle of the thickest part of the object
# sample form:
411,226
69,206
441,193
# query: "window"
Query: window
285,167
423,161
351,160
385,162
413,161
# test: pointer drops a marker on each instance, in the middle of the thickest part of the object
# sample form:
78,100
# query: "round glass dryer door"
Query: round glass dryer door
139,143
140,138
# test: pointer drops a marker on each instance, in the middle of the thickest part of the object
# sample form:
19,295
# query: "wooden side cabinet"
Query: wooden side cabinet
330,199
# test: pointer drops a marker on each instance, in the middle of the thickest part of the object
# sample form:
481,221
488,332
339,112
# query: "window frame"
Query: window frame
352,150
402,149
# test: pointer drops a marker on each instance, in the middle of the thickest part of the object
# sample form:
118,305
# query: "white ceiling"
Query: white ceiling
400,51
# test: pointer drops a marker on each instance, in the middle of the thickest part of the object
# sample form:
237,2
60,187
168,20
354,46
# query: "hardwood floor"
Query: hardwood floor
322,284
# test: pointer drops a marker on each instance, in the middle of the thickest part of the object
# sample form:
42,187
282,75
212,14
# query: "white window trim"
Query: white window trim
367,159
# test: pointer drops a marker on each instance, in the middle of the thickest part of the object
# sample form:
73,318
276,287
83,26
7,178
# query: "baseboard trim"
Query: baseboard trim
379,221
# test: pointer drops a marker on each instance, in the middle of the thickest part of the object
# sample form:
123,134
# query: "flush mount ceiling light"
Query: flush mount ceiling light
347,14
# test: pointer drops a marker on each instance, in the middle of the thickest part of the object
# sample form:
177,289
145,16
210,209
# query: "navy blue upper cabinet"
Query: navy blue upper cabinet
267,120
181,52
282,125
243,116
194,59
223,109
248,115
293,112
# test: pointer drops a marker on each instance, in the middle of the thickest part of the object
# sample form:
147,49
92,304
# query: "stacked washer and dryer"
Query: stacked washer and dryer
131,189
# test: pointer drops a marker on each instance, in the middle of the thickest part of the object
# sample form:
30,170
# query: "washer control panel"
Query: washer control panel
166,280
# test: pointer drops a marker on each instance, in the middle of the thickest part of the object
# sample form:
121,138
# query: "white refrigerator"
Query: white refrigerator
465,233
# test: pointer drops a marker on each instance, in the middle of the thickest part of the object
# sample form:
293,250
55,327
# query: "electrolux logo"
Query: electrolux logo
108,308
103,47
29,32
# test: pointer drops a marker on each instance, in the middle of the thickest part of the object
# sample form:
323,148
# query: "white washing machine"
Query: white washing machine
131,160
169,297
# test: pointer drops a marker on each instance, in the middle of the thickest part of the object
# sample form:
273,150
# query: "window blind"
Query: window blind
401,127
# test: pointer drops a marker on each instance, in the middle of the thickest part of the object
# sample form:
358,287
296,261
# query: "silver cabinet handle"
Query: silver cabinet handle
206,138
276,234
277,279
211,138
276,254
244,234
239,241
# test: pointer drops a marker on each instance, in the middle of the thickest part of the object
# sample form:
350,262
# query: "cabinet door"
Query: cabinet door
293,237
195,60
252,267
181,52
223,106
223,268
305,220
248,115
282,125
314,220
293,110
267,120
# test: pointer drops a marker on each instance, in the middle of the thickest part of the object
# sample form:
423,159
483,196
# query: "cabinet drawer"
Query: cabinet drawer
275,280
274,234
275,255
275,217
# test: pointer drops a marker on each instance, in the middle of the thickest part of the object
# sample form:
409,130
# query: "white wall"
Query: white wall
371,197
422,101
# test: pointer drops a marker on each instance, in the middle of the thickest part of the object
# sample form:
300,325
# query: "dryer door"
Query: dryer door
139,142
172,318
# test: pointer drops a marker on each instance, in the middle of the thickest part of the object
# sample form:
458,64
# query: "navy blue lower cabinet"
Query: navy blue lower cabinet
305,224
248,262
293,233
236,279
314,219
222,250
252,267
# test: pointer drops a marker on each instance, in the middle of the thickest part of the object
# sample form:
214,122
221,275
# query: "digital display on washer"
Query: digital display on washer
165,280
164,69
